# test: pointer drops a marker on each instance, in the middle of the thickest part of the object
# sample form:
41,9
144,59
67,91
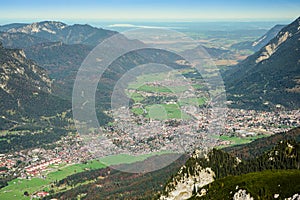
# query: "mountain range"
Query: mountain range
260,42
58,31
61,59
217,174
26,92
50,49
61,48
39,63
270,77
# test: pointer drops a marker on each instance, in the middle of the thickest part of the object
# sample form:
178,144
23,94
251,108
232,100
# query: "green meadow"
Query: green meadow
17,187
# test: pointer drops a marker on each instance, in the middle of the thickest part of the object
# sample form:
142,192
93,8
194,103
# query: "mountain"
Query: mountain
20,40
274,174
269,184
260,42
58,58
57,47
58,31
61,61
217,174
64,49
217,53
25,91
6,27
39,28
270,77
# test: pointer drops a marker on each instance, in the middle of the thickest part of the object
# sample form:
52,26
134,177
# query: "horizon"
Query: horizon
208,25
154,11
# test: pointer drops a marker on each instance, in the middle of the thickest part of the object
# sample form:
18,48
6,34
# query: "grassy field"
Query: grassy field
136,97
167,111
179,89
197,86
17,187
137,111
156,89
127,159
159,109
235,140
193,101
67,170
141,80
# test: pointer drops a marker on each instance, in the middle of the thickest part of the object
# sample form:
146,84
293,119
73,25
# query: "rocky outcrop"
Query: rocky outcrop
188,180
242,195
294,197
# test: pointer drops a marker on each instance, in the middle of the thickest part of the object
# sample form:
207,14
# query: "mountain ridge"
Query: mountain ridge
260,42
215,165
58,31
26,91
270,76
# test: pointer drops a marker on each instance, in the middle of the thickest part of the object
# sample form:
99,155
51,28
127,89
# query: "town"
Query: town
147,136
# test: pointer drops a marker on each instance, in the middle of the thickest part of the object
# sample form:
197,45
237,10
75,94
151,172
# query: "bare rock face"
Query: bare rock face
260,42
294,197
270,49
183,185
242,195
269,77
14,64
47,26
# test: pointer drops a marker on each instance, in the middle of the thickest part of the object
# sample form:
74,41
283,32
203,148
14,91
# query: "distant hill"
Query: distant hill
58,31
260,42
61,61
65,47
57,47
20,40
57,56
270,77
7,27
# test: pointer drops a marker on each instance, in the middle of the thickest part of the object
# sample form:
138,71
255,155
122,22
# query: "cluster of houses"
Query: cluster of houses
252,122
33,170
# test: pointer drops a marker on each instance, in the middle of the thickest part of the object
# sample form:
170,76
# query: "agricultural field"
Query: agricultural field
152,99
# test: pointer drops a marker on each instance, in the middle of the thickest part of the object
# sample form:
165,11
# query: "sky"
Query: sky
139,10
